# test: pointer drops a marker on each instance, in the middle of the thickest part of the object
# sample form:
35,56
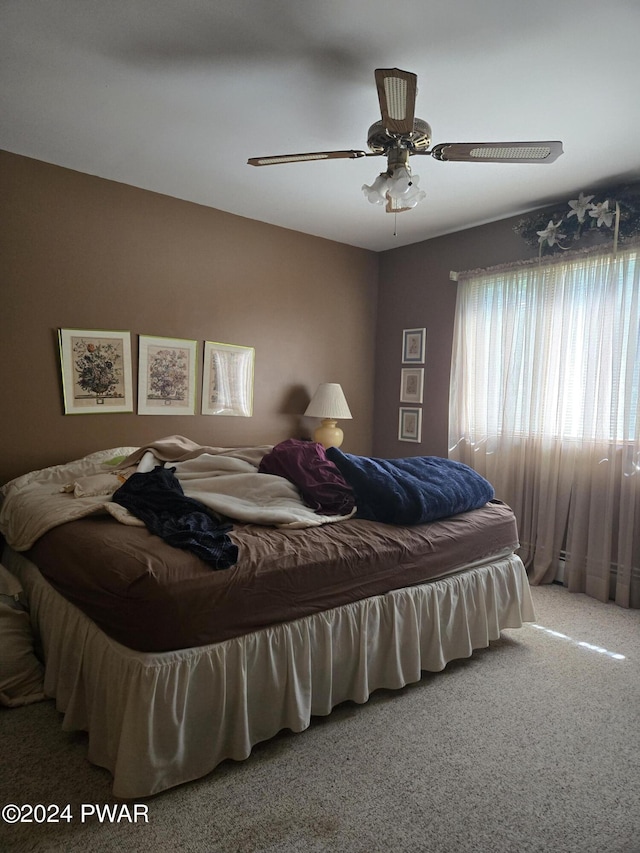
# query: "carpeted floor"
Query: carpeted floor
531,745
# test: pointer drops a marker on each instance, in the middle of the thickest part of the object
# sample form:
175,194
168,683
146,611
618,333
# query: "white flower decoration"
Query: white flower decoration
579,206
550,234
602,213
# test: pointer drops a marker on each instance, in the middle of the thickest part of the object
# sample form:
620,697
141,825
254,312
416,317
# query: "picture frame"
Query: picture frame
96,371
414,346
410,424
227,380
167,371
411,384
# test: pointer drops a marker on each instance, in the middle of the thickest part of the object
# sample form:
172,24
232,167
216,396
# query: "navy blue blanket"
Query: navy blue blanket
157,498
412,490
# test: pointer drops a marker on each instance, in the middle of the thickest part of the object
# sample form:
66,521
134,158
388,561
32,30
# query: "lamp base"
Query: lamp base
328,434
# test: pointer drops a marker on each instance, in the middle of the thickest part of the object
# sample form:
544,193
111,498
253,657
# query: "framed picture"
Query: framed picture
96,371
410,425
166,376
414,346
227,380
411,384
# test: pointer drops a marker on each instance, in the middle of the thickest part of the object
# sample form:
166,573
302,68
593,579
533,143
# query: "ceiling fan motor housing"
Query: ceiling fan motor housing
380,141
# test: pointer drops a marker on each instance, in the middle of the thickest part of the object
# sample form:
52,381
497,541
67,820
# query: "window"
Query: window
549,350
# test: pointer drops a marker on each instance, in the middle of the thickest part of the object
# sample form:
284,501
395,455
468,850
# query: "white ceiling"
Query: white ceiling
175,95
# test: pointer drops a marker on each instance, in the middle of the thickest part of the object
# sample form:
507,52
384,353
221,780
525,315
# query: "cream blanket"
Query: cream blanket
224,479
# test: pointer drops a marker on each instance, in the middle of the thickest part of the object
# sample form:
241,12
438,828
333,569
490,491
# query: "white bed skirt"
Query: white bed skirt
158,720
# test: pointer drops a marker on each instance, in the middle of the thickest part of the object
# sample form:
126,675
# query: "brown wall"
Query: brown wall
415,292
81,252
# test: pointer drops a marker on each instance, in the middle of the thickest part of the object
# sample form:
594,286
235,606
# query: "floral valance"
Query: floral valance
594,217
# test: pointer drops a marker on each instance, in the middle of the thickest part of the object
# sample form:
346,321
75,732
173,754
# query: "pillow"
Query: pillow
21,673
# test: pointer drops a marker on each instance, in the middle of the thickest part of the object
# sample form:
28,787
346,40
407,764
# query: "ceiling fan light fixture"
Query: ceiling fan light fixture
413,195
397,188
400,182
377,192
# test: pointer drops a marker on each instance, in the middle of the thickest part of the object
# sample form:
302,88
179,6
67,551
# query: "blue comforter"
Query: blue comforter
411,490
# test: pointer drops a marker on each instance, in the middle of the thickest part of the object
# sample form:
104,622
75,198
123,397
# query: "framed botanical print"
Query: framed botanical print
411,384
410,424
166,376
414,346
96,371
227,380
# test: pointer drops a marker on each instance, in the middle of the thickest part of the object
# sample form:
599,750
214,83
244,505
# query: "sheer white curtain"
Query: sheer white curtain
544,403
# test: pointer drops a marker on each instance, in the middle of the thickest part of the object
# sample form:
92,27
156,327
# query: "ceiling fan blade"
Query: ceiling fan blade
397,96
498,152
301,158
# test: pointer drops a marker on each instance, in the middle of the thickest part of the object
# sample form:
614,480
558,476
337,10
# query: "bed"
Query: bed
175,655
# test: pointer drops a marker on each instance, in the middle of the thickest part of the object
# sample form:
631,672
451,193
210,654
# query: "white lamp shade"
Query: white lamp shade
376,192
329,402
400,182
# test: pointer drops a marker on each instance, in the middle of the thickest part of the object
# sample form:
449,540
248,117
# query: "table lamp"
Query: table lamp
330,404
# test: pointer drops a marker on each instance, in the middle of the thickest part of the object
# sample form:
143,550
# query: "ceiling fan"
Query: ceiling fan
400,135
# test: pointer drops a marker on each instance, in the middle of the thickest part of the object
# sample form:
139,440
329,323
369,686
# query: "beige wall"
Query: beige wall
416,292
81,252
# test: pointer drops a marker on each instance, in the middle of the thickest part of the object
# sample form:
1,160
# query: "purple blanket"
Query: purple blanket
304,463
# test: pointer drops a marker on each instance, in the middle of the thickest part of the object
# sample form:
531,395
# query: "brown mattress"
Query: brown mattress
152,597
